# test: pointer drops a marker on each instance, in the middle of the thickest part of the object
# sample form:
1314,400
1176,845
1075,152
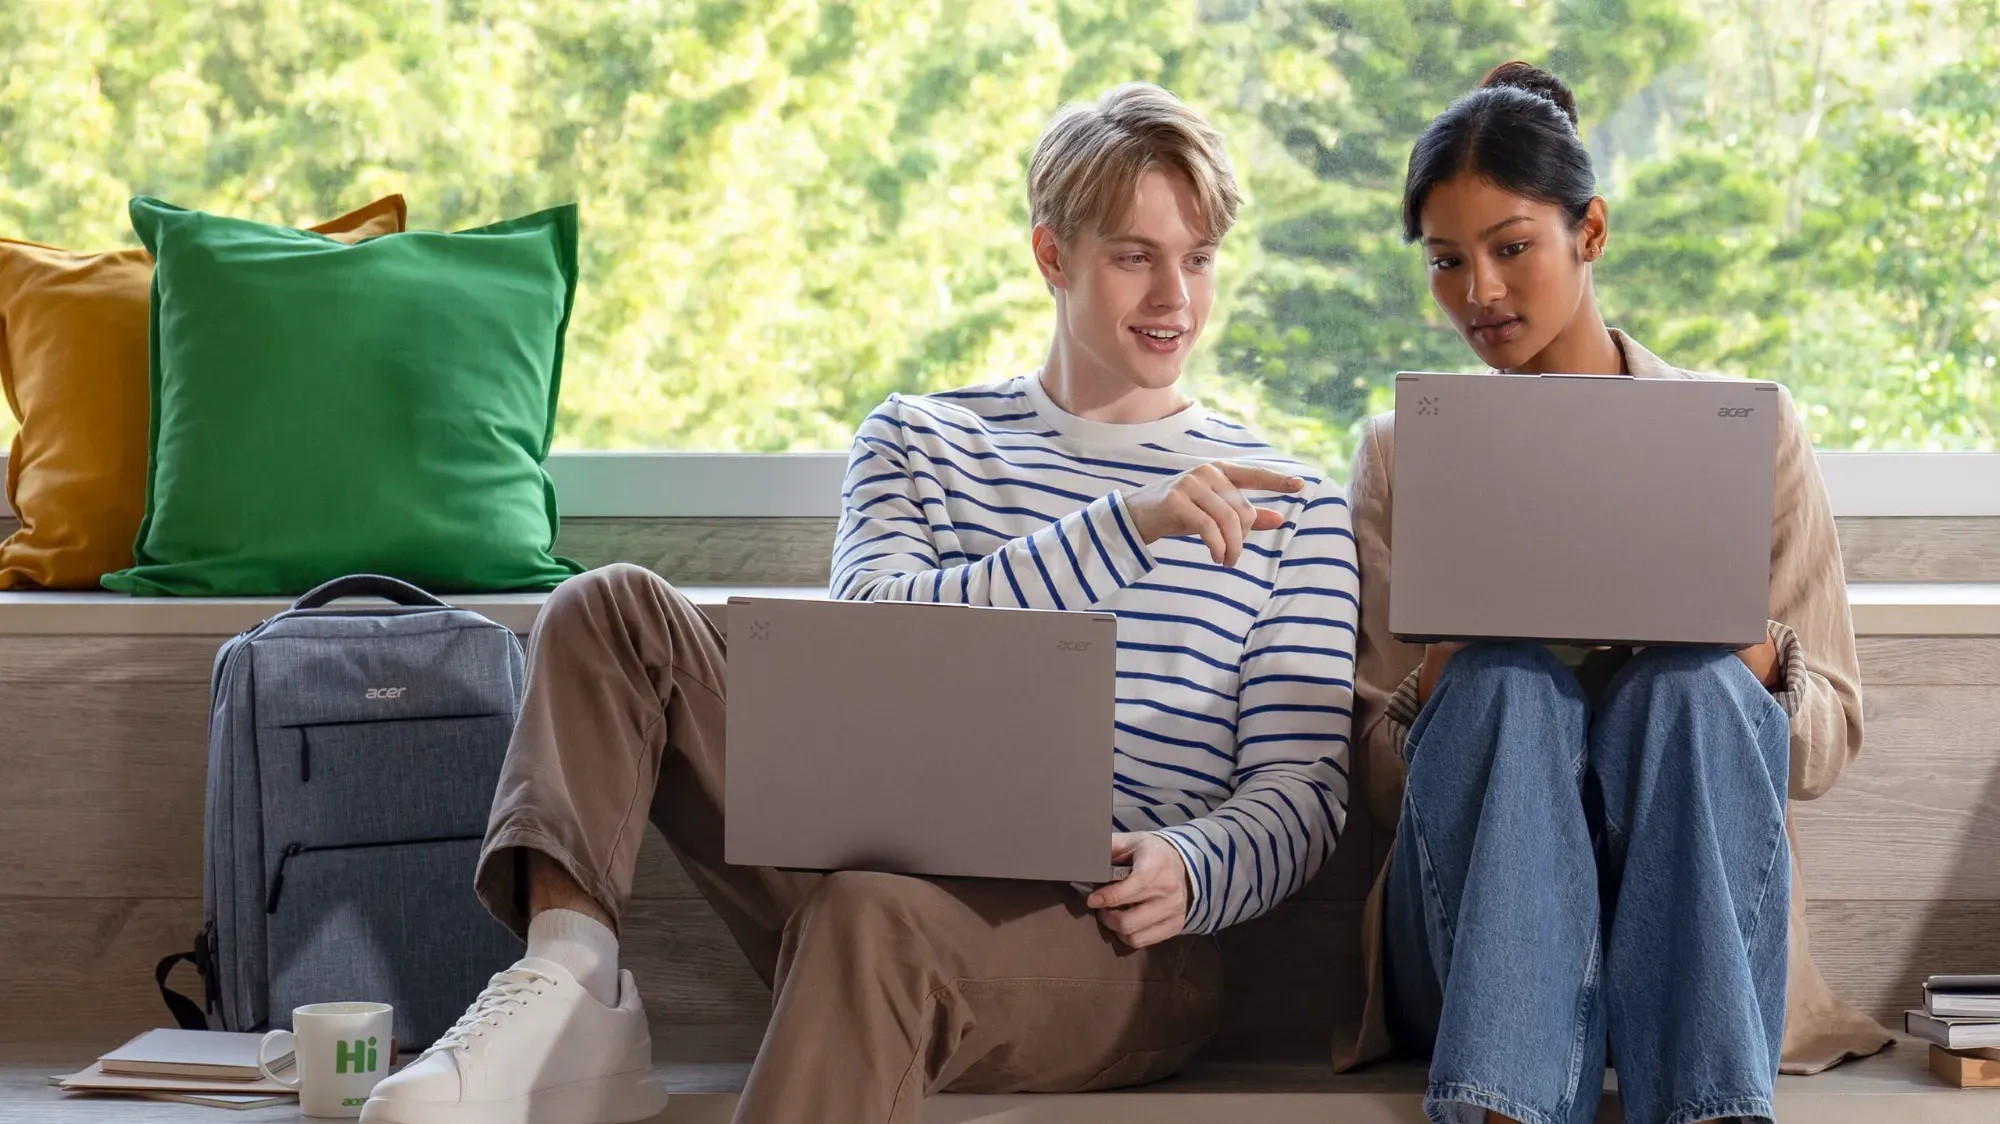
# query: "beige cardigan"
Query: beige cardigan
1820,692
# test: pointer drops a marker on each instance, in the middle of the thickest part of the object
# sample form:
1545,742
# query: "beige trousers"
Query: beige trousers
886,987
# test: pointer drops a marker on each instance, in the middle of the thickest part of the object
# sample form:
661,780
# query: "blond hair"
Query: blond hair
1087,166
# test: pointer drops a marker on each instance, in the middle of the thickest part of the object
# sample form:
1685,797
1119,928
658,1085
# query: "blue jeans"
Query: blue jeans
1563,882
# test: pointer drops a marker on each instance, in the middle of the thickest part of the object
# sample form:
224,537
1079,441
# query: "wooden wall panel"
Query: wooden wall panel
689,969
102,739
1918,814
1878,953
104,787
84,968
81,970
707,551
107,780
780,551
1921,550
1923,661
108,663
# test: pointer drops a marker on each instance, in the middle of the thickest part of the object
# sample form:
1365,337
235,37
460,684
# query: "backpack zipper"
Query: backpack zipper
278,879
294,849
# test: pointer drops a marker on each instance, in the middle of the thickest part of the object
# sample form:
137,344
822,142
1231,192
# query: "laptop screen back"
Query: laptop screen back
1580,509
921,739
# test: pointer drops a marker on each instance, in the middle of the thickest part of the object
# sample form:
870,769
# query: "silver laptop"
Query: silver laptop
1582,509
920,739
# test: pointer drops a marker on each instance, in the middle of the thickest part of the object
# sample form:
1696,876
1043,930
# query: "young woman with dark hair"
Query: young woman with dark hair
1592,852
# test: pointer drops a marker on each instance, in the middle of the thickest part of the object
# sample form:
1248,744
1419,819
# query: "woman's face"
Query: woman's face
1511,273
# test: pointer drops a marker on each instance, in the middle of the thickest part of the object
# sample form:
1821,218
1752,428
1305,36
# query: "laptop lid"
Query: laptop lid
1582,509
920,739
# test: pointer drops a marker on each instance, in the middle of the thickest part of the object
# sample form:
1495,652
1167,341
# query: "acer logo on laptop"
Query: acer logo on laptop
1072,645
1734,411
386,692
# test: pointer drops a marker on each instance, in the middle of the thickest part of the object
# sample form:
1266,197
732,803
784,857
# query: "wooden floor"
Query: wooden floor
1894,1088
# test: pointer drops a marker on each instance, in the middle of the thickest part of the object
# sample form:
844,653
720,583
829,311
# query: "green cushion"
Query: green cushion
322,409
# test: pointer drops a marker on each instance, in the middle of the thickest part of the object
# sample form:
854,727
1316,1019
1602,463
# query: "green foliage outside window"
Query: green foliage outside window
794,207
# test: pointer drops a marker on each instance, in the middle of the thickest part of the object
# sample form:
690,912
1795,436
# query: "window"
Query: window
792,209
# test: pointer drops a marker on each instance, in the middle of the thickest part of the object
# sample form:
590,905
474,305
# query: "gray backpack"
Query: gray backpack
352,757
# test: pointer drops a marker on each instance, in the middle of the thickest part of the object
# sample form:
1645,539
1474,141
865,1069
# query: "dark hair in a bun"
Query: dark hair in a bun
1520,75
1517,129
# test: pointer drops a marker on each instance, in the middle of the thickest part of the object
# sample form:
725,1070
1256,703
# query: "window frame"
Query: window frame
671,485
772,485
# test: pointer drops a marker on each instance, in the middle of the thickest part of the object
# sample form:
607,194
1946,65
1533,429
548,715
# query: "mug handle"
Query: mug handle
264,1067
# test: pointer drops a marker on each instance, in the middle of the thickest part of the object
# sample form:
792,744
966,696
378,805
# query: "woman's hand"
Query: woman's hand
1208,501
1150,904
1762,660
1435,657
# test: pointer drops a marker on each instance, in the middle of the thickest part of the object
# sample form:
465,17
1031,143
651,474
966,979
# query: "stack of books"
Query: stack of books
203,1067
1960,1018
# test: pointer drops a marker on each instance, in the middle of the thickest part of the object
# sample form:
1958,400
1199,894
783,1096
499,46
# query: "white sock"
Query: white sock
583,945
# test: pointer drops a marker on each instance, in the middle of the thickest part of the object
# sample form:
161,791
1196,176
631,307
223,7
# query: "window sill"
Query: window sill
1880,609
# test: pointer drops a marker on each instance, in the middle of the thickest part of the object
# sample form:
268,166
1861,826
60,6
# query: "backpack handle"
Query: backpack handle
369,585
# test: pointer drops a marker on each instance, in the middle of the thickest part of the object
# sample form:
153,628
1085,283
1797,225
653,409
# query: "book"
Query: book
206,1100
95,1080
1951,1033
1988,984
222,1100
1963,996
1950,1005
212,1054
1965,1070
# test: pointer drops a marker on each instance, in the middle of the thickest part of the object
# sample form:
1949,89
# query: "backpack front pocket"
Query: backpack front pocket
382,923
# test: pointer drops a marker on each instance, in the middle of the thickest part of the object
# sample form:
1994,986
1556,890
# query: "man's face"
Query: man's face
1135,300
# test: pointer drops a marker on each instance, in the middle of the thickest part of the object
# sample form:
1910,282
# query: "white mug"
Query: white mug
341,1051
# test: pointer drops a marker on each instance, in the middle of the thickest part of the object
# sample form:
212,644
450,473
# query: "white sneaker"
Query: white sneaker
534,1048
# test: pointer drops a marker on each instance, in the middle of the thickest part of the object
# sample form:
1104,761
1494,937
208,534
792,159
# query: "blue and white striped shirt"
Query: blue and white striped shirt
1235,684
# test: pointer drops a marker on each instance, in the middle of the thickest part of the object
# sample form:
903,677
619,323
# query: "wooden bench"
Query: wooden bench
103,701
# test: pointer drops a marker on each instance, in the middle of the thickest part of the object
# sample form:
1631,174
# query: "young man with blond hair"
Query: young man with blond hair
1092,483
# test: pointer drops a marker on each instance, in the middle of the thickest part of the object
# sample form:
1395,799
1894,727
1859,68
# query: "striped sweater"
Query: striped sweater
1234,683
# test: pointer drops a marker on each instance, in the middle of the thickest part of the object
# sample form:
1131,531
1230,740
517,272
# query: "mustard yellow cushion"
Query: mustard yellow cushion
74,364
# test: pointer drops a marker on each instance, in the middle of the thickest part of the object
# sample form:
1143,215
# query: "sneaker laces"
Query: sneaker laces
505,991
